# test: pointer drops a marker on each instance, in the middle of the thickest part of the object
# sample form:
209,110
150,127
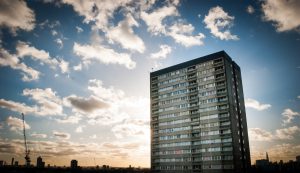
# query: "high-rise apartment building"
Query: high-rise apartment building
198,119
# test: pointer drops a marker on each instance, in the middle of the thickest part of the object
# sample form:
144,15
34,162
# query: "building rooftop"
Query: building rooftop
191,62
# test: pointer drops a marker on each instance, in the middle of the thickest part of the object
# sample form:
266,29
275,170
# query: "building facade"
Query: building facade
198,119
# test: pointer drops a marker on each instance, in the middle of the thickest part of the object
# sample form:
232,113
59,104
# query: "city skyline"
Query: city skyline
79,71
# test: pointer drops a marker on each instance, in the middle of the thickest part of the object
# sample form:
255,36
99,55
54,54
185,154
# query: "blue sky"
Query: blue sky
80,73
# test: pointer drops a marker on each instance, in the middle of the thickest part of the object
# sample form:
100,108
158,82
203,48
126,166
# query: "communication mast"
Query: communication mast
27,151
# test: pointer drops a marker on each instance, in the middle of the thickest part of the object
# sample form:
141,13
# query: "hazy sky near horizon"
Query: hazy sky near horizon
79,70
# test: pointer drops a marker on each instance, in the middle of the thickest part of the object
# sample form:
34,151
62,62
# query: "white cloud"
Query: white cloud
70,119
79,29
258,134
250,9
155,19
131,128
48,102
94,136
24,49
86,105
287,133
162,53
79,129
285,14
64,66
110,93
78,67
124,35
59,42
103,55
251,103
298,97
101,16
219,22
16,15
182,34
288,116
38,135
16,124
61,135
7,59
16,106
54,32
51,25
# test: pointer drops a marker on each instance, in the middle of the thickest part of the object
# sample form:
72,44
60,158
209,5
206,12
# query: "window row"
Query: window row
175,129
171,137
181,71
175,122
187,159
186,167
184,84
188,143
172,80
189,151
213,108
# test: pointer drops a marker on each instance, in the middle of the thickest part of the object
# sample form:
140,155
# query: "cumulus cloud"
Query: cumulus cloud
102,54
59,42
131,128
79,29
16,124
251,103
16,106
182,34
24,49
87,105
109,93
162,53
70,119
219,23
154,20
12,61
38,135
298,97
64,66
48,102
98,12
94,136
284,13
250,9
124,35
78,67
258,134
79,129
15,15
287,133
61,135
54,32
289,115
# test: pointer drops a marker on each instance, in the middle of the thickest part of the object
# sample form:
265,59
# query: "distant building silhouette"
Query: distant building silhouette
12,161
298,159
74,163
262,163
40,163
